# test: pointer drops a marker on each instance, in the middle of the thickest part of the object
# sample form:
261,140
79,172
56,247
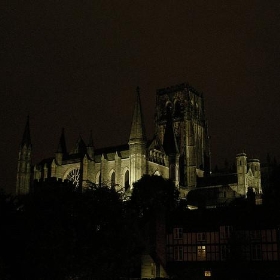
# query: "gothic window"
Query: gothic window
196,109
74,177
113,179
126,180
177,108
98,179
168,108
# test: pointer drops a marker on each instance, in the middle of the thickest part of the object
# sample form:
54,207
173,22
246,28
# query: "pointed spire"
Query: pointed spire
90,142
62,144
137,132
26,140
90,147
80,146
169,141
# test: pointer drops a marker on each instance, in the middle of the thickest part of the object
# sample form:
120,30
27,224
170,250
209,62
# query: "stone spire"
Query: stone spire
137,132
137,143
62,143
24,163
26,139
90,146
90,141
61,149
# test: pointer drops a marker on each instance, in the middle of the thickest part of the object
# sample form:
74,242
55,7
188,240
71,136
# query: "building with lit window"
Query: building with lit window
224,244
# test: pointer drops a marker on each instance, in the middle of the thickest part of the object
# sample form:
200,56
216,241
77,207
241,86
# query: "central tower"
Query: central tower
186,107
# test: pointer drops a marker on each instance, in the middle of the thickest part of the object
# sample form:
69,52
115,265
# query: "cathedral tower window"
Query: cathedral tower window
126,180
113,179
168,108
177,108
98,179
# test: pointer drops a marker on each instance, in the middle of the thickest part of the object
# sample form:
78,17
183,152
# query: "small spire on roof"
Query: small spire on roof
137,132
62,143
90,142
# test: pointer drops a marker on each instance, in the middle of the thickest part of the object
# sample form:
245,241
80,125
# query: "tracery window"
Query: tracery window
74,177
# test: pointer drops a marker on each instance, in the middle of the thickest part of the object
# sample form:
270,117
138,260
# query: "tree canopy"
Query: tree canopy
152,193
57,232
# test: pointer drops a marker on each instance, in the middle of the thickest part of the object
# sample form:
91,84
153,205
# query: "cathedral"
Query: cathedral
179,150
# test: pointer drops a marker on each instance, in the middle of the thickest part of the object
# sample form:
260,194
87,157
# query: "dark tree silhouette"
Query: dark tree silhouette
153,193
58,232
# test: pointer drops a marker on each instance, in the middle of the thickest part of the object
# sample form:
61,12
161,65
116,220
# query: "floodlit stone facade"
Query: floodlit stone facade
179,150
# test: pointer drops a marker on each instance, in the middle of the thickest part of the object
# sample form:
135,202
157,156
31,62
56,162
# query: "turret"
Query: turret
24,163
241,166
137,142
90,147
254,165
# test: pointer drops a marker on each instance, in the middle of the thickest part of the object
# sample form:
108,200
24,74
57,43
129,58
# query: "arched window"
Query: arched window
98,179
113,179
126,180
74,177
168,108
177,108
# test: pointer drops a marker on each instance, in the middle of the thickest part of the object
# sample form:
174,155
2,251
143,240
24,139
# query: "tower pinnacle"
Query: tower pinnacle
26,139
62,144
24,163
137,132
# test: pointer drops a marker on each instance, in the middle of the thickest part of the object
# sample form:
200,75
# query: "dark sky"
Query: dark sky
76,64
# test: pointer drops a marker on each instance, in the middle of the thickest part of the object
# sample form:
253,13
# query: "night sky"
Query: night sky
76,64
